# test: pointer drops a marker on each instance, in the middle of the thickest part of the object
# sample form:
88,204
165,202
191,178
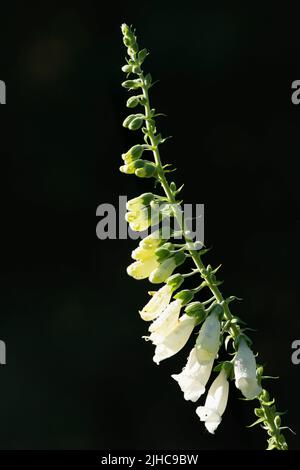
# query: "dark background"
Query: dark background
78,374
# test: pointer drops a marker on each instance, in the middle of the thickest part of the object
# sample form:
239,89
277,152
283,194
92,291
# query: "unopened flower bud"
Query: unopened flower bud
127,68
134,153
132,84
197,310
185,296
166,268
131,167
127,41
136,123
163,252
147,170
124,29
136,69
139,202
128,120
134,47
142,55
175,281
133,101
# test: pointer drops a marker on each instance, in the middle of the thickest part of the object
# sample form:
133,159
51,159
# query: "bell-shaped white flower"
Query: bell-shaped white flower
165,323
139,220
142,269
157,304
215,403
175,340
194,377
245,371
208,341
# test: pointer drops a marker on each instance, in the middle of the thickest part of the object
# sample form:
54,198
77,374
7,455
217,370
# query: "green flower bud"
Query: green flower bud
175,281
128,121
139,202
180,258
136,69
127,68
127,41
134,153
196,309
132,84
135,124
185,296
142,55
125,29
127,32
166,268
164,251
131,167
134,47
147,171
133,101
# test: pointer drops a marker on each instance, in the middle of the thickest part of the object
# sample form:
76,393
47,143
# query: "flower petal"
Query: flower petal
157,304
176,340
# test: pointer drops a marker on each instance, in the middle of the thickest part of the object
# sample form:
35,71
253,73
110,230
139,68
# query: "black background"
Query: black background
78,374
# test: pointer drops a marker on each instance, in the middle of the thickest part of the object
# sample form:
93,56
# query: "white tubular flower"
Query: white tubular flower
138,220
208,341
157,304
152,241
215,403
141,254
245,371
142,269
194,377
139,202
165,323
176,340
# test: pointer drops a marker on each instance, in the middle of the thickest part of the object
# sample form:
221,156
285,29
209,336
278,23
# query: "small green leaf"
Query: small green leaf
259,420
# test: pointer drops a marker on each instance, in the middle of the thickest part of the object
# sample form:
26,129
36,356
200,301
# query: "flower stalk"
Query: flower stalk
169,331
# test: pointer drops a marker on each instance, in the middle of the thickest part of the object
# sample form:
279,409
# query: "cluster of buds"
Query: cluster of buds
174,315
134,164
